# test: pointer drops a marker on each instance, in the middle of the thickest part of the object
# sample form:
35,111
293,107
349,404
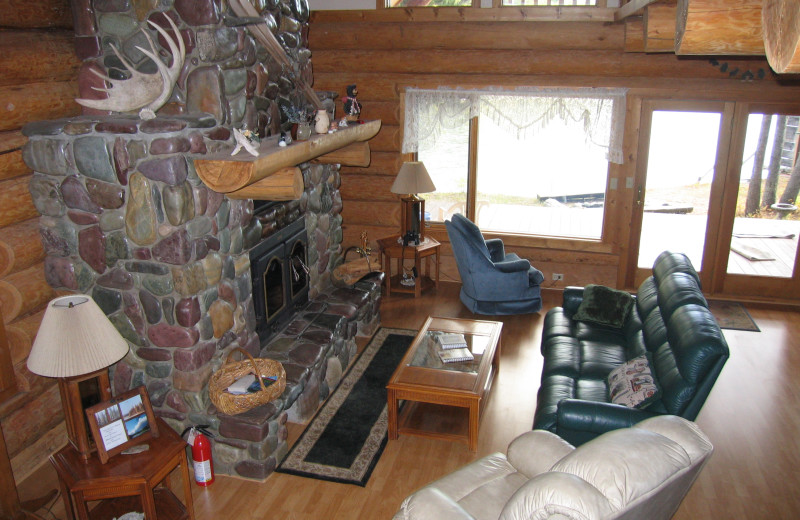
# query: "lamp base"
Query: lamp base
77,394
412,219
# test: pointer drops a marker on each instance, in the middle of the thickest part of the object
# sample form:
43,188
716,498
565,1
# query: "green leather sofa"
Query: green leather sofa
669,319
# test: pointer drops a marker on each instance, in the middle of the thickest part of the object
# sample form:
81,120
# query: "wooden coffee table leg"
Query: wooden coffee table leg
474,422
391,405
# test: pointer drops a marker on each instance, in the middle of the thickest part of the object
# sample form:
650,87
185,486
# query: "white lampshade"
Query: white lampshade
413,178
75,338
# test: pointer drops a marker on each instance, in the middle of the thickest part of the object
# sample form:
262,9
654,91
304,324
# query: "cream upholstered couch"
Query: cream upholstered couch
642,472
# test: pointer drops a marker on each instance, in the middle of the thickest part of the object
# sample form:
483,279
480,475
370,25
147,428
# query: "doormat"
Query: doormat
732,315
345,439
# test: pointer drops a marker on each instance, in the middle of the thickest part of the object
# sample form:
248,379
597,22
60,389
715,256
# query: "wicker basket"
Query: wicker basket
233,404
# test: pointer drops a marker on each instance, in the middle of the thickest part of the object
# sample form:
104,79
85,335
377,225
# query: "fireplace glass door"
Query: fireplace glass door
273,287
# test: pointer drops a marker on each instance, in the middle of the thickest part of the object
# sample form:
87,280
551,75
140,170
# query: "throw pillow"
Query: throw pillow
633,383
604,305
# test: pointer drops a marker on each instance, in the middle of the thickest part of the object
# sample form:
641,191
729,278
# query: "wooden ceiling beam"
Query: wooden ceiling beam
659,27
713,27
631,8
781,24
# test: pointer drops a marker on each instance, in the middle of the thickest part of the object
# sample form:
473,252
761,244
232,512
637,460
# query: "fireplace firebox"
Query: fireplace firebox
278,267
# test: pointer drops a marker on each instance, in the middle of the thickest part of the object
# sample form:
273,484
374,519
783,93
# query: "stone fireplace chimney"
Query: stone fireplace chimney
126,219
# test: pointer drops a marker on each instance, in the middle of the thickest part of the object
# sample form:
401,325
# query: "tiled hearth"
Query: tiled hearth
126,219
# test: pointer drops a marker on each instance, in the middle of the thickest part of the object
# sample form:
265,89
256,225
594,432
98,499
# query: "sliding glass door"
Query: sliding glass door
718,181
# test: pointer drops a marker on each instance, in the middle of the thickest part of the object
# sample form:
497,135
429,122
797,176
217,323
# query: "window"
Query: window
539,157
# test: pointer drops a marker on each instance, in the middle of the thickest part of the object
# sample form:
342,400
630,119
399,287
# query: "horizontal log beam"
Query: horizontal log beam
33,14
12,165
24,292
285,184
468,14
21,333
714,27
781,23
36,56
542,36
30,458
224,174
37,101
355,154
395,70
12,141
20,246
361,187
16,203
381,163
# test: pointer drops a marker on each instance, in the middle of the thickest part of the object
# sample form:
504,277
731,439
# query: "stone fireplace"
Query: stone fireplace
126,219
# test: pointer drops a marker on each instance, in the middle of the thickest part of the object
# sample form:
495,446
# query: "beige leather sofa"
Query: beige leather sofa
642,472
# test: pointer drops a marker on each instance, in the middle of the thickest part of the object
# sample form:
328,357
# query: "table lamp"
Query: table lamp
412,179
76,343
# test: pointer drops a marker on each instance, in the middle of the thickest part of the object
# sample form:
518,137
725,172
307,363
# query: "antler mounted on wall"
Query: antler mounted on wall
144,92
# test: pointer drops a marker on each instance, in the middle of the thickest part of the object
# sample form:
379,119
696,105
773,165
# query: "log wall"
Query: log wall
39,81
383,55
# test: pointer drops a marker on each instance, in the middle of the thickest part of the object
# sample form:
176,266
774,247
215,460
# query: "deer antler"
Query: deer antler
147,92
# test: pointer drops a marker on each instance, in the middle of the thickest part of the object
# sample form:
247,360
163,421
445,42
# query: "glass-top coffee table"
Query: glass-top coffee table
444,400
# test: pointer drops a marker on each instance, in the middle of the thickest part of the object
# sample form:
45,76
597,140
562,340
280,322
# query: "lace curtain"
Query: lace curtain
522,111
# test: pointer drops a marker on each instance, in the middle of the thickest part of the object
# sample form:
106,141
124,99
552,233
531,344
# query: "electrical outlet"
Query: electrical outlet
557,277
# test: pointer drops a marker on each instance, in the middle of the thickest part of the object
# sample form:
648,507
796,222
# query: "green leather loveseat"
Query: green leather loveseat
669,319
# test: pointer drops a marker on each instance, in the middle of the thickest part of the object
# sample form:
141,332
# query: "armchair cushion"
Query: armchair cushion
604,305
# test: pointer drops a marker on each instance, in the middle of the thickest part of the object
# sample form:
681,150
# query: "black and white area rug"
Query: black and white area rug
344,441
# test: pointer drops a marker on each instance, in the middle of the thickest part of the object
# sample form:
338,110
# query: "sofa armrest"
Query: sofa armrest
535,452
513,266
579,421
572,298
497,250
431,504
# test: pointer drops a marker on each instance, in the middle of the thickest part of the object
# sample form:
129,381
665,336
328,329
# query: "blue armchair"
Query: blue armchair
493,281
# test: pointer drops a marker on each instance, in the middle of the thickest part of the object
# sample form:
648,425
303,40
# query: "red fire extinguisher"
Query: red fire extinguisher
201,455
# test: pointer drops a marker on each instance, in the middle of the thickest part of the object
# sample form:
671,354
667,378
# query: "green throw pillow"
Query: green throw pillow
604,305
633,383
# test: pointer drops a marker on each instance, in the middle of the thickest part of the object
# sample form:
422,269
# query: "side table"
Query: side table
391,248
127,482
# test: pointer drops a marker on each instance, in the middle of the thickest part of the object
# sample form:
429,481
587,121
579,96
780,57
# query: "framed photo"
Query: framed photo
122,422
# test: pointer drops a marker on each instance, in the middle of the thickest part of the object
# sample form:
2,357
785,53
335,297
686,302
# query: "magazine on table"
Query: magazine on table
456,355
451,341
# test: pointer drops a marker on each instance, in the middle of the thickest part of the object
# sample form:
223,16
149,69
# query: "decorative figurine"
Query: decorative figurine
322,121
352,108
246,139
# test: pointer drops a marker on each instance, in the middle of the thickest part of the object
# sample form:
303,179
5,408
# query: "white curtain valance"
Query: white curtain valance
524,111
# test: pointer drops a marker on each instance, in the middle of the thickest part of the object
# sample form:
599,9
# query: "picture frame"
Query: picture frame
122,422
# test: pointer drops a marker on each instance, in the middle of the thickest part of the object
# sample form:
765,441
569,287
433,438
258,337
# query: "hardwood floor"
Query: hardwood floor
752,417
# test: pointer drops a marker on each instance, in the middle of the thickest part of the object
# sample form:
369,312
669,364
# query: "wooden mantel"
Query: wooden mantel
274,175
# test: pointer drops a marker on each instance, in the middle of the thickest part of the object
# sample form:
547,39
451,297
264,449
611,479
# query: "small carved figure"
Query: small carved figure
352,108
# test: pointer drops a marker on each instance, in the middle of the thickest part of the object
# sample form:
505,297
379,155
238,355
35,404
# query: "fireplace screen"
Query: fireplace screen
280,277
273,287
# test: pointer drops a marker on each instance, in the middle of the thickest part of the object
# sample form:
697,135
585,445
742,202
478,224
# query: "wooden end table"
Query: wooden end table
391,248
444,400
126,482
